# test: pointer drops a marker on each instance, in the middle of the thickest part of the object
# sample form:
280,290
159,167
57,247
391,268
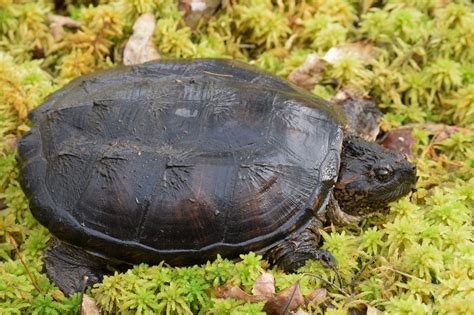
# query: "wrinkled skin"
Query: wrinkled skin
370,177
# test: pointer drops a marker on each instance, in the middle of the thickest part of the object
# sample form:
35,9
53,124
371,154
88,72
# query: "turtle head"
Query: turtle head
370,177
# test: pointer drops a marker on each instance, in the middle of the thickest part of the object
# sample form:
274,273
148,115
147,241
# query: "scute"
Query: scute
179,160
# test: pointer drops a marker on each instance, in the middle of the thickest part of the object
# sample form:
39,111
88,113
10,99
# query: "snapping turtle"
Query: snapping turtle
183,160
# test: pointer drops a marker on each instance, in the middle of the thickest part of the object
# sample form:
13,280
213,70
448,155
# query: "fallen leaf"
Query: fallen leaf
285,301
400,139
140,47
228,291
264,285
58,22
362,50
89,306
317,296
309,73
443,131
372,310
194,10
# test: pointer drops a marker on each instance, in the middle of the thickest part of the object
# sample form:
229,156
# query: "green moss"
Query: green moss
417,259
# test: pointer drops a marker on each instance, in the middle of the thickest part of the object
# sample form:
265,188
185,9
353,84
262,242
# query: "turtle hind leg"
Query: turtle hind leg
293,252
71,268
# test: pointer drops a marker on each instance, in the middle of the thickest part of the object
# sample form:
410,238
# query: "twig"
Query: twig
340,290
290,299
33,281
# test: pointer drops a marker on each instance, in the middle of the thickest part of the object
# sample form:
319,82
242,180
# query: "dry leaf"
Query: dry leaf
363,51
441,130
309,73
58,22
89,306
317,296
372,310
264,285
140,47
228,291
194,10
400,139
285,301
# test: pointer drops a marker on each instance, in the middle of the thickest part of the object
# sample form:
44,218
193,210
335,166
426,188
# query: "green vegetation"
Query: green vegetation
417,260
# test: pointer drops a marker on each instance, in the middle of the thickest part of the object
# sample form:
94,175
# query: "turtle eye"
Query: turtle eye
383,173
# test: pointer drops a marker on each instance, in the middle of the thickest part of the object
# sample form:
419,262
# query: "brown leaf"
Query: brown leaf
285,301
372,310
403,140
400,139
362,50
140,47
194,10
441,131
89,306
317,296
309,73
228,291
264,285
58,22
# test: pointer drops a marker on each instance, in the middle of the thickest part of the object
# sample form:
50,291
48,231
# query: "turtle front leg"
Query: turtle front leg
293,252
71,268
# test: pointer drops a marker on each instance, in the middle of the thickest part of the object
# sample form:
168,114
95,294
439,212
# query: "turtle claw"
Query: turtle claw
328,261
326,258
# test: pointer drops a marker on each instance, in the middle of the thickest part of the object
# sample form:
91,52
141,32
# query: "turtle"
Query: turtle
179,161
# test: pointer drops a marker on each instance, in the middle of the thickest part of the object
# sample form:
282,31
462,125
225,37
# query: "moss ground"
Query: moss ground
419,259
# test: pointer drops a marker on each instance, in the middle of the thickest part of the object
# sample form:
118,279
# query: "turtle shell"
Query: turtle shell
179,161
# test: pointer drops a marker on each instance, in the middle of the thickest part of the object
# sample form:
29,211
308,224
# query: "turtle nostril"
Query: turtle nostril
413,167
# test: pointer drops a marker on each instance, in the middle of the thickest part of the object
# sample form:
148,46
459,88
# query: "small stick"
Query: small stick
288,302
340,290
15,247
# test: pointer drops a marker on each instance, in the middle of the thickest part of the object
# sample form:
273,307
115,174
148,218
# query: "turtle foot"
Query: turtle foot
292,253
326,258
293,261
71,268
